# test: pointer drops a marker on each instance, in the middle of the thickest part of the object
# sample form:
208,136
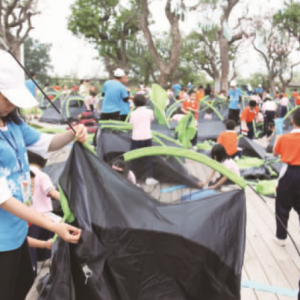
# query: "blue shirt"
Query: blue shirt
114,93
234,98
176,88
31,87
125,107
259,90
13,230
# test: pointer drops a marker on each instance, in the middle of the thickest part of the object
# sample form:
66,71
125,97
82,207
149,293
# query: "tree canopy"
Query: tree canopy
37,58
107,24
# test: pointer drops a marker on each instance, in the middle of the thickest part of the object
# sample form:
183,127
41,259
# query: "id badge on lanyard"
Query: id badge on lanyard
24,182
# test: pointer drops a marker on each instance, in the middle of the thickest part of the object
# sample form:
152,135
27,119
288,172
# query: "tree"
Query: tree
109,26
166,66
220,12
37,58
288,19
15,22
200,49
275,49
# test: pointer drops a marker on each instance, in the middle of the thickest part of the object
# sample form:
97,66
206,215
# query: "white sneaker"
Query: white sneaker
279,242
195,148
151,181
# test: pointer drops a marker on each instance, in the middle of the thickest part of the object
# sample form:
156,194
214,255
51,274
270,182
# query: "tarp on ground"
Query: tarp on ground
250,148
137,248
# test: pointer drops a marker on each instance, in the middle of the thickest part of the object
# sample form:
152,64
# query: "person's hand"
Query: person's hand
212,187
239,105
81,133
67,232
201,184
49,244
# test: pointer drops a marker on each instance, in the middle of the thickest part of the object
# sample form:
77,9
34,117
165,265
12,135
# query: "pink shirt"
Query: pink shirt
256,98
284,101
141,119
42,187
231,165
90,100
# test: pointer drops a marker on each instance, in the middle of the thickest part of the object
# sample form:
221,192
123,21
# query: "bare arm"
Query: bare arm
67,232
209,178
54,194
63,139
34,243
220,182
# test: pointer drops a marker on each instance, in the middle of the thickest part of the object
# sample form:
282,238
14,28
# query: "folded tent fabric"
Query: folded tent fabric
250,148
267,187
137,248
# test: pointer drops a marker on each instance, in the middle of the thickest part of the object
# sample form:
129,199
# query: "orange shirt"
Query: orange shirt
288,146
295,95
229,139
199,95
57,87
297,101
191,104
249,116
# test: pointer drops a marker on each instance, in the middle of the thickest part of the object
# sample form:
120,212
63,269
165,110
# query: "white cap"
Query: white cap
233,83
12,83
119,73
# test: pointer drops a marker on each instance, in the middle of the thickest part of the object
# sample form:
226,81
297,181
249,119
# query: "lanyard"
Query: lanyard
14,146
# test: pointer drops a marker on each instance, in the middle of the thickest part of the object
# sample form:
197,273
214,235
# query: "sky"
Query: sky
73,56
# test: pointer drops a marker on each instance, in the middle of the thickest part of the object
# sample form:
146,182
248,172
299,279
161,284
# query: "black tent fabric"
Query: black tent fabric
251,148
210,129
111,144
261,173
54,171
51,116
137,248
75,106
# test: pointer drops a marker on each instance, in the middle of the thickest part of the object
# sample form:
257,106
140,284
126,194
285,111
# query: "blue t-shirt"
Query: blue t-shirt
176,88
114,93
234,98
13,230
31,87
259,90
124,106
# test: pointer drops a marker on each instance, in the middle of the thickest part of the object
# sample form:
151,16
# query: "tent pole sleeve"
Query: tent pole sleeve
151,151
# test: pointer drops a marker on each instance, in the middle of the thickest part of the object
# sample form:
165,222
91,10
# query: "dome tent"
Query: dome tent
131,243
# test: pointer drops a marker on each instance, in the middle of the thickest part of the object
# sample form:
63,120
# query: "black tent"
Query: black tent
251,148
113,142
210,129
136,248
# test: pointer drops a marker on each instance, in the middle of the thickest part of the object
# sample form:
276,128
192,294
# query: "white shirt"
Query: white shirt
269,106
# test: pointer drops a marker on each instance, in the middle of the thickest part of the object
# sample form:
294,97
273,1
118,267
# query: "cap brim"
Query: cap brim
20,97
